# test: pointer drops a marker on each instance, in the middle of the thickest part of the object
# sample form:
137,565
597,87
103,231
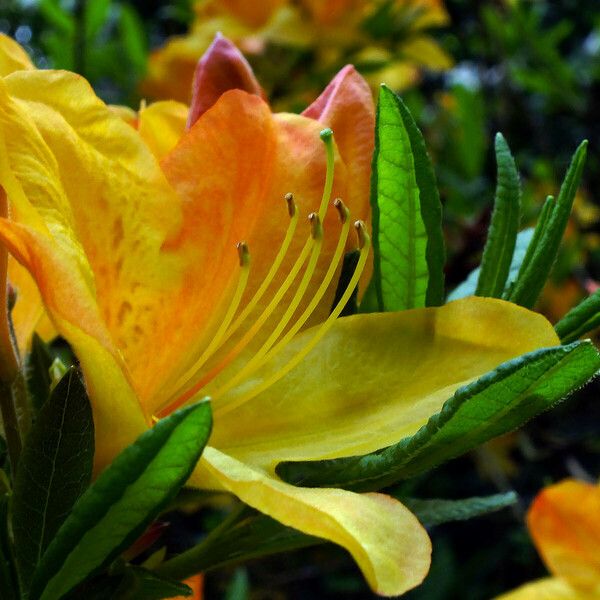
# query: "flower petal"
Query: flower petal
161,125
135,280
221,68
346,105
551,588
12,56
383,536
564,522
384,374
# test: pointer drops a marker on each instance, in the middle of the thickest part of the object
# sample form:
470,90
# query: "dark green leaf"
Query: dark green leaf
123,501
141,584
498,402
435,512
38,363
536,268
133,38
251,536
54,470
239,586
580,320
502,235
469,285
404,215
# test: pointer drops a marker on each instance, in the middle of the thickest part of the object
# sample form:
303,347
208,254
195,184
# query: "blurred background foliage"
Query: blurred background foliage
530,69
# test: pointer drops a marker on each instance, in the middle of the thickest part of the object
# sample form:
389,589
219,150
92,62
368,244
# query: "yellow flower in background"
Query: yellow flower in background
564,522
131,239
388,41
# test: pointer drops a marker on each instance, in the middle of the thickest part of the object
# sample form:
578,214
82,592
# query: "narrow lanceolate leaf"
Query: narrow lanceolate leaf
123,501
407,240
435,512
469,285
536,269
498,402
54,471
580,320
502,235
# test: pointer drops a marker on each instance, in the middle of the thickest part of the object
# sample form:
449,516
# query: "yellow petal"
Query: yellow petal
424,51
161,125
564,521
551,588
384,374
384,537
28,315
12,56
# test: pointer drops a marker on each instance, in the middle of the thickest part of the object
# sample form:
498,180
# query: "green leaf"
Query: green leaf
123,501
57,17
54,471
133,38
469,285
536,269
407,240
239,586
580,320
500,401
435,512
38,362
95,15
141,584
502,235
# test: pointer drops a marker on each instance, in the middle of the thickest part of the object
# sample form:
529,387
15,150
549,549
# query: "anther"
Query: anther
361,232
342,209
291,205
316,229
243,253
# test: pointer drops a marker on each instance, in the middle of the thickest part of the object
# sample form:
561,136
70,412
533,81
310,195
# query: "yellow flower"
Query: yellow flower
564,522
135,260
333,30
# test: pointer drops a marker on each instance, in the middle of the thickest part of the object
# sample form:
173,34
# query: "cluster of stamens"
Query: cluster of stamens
188,385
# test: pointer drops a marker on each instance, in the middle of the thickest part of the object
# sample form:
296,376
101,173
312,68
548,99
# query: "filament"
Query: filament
244,257
364,246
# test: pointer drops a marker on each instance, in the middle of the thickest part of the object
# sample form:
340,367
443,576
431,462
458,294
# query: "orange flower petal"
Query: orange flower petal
564,522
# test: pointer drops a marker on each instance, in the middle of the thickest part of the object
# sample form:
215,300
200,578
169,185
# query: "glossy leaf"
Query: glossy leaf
54,471
502,235
469,285
498,402
123,501
580,320
535,270
403,215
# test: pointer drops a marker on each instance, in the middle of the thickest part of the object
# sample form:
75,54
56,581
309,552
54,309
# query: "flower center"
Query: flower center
189,386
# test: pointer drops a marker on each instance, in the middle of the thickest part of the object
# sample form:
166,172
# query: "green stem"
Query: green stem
11,424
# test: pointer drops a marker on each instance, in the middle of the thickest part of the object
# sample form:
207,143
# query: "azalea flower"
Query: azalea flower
335,32
136,262
564,522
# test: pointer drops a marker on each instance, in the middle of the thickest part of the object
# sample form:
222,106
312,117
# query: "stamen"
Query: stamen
257,359
364,243
244,258
327,137
184,380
